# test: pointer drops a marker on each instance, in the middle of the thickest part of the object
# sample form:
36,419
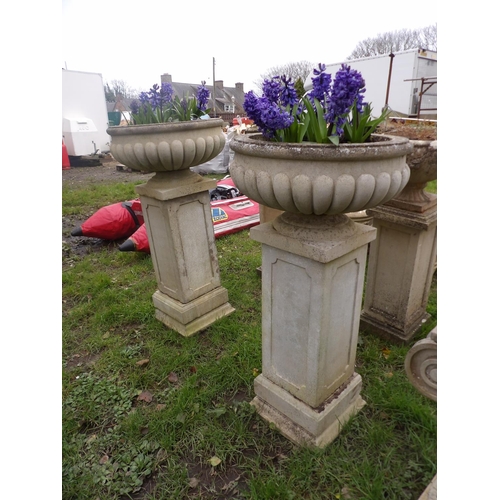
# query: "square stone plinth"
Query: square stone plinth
297,421
190,318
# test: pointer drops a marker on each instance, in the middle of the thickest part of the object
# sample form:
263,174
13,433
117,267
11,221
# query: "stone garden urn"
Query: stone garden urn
313,263
177,214
423,169
167,147
403,258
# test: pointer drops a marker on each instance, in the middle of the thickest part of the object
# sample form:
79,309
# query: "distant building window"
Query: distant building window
229,108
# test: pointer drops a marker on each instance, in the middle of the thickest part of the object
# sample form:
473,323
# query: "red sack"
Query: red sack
113,222
138,242
231,216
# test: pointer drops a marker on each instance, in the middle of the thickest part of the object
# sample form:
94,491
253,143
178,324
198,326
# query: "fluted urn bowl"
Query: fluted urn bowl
164,147
320,179
423,169
422,162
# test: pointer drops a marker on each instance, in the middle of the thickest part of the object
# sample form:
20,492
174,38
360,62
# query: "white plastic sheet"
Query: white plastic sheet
219,164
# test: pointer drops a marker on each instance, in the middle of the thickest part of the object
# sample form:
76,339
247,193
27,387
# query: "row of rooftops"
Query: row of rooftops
225,97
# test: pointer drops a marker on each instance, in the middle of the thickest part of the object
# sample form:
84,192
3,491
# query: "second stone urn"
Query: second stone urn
176,207
167,147
313,264
423,169
403,258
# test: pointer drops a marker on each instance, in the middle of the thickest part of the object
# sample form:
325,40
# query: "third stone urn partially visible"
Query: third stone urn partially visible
402,260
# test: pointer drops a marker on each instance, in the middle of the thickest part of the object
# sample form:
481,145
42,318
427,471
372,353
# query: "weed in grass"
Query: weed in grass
97,403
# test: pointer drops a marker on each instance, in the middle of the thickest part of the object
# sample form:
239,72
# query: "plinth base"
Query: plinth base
196,315
297,421
389,332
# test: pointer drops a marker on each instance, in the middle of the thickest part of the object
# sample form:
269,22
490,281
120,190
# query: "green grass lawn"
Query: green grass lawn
149,414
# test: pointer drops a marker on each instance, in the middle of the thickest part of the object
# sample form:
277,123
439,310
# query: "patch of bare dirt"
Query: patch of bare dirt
107,170
78,360
78,246
415,131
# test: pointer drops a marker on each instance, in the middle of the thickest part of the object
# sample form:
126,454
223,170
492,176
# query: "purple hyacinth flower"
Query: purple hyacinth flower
272,88
320,69
203,96
288,94
154,96
166,92
347,89
134,107
252,107
321,84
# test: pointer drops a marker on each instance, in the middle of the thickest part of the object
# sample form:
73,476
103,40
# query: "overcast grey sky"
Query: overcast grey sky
138,41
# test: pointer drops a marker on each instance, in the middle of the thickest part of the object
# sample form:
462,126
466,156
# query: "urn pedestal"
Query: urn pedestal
313,264
403,258
311,301
177,214
178,218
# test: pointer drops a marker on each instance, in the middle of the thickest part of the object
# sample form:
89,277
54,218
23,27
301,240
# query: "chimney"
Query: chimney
219,84
239,87
118,102
166,78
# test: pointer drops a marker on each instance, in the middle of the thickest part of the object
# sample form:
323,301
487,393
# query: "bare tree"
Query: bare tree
119,87
297,71
396,41
429,37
